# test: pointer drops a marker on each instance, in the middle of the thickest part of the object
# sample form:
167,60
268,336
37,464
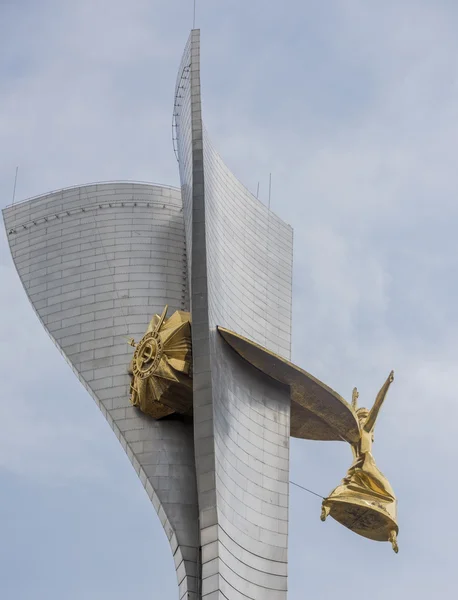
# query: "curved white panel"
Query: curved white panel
241,278
97,262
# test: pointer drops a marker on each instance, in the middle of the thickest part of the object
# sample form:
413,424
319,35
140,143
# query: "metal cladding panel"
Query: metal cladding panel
240,275
97,262
182,120
249,260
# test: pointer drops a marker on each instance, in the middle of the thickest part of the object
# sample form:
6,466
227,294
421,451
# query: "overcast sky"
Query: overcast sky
353,107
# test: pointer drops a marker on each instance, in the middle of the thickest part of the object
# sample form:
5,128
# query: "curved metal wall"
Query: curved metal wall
97,262
249,259
241,279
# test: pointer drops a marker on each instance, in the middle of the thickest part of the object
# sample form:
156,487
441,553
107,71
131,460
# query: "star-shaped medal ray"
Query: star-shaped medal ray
161,366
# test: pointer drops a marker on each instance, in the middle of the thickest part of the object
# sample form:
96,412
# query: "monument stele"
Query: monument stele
173,308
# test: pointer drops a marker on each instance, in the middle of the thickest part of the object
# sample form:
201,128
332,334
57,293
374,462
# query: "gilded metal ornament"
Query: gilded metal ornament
161,367
317,411
365,501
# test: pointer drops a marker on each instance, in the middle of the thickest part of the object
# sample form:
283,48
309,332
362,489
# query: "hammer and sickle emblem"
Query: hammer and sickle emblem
147,353
147,356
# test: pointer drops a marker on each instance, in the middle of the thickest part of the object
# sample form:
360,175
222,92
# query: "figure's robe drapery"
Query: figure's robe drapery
365,501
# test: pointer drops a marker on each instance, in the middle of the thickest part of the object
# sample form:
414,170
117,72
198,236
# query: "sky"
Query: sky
352,105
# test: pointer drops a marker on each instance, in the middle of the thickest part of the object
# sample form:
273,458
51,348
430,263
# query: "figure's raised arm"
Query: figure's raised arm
354,399
378,403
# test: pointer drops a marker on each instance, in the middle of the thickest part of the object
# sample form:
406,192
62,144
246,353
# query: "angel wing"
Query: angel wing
317,411
373,414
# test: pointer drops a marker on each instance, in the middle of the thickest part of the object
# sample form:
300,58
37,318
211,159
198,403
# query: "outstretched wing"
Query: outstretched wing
317,412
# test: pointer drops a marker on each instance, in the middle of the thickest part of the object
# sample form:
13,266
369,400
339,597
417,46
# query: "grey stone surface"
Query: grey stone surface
97,262
240,277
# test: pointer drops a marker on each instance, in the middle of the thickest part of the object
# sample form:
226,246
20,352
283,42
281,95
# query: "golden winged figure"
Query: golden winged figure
365,501
161,366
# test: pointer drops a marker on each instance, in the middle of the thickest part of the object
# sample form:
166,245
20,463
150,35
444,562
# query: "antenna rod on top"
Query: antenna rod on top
15,182
257,192
194,18
270,187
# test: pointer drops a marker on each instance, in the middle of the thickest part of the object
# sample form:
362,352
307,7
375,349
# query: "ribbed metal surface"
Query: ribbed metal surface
97,262
240,276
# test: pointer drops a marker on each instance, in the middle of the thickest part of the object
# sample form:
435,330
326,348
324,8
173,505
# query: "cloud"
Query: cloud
367,178
353,108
